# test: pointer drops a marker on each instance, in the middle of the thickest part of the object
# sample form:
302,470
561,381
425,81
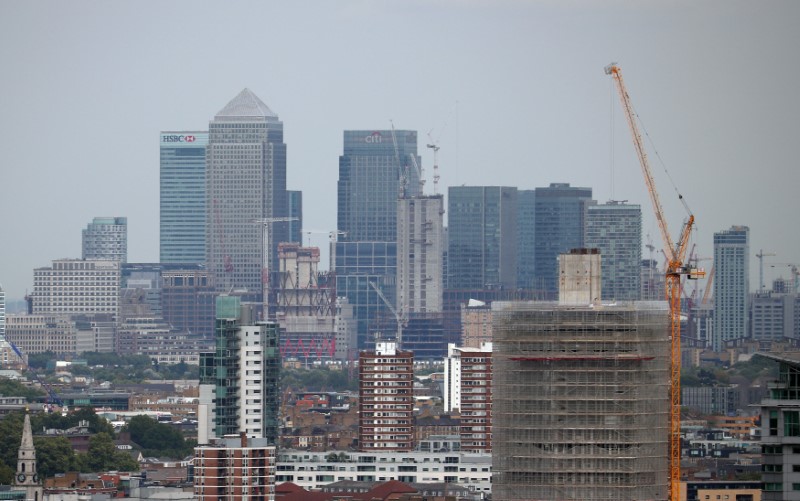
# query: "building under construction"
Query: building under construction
580,401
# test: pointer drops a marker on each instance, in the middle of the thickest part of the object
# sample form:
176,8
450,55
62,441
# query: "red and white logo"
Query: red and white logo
375,137
189,139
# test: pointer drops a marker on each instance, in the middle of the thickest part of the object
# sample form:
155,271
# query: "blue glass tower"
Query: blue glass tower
560,213
183,197
373,173
482,237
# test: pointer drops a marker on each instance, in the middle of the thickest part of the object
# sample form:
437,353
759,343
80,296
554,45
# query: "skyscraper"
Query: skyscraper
731,285
246,181
420,235
615,228
183,197
559,226
526,238
373,173
295,210
106,238
482,237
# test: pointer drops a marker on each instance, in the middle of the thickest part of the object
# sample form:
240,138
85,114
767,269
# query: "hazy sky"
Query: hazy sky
514,92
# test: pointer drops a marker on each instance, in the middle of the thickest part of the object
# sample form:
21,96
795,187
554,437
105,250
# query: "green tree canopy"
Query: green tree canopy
12,388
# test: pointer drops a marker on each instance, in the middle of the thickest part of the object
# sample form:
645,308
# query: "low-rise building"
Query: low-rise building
313,470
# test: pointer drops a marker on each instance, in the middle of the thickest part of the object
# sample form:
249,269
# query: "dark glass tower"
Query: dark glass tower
373,173
482,237
246,182
559,226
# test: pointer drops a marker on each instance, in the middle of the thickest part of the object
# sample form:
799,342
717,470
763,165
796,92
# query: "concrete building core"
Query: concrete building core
579,277
580,401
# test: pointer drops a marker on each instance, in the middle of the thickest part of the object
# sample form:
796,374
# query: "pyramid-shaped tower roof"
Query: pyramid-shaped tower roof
246,105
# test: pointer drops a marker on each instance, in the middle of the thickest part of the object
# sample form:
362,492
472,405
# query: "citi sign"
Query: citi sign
375,137
178,139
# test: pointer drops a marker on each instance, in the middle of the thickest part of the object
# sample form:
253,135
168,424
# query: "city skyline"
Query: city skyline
92,93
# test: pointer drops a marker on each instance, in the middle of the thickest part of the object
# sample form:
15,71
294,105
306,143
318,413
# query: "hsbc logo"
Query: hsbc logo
178,139
375,137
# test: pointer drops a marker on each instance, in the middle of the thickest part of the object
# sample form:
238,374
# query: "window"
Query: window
791,423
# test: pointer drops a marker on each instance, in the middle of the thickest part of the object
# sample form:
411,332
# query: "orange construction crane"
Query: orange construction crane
675,254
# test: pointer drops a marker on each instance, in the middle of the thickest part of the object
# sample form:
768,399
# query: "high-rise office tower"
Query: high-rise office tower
482,237
386,399
558,227
526,238
731,285
239,380
106,238
615,228
375,170
295,227
420,233
183,197
76,286
580,400
246,182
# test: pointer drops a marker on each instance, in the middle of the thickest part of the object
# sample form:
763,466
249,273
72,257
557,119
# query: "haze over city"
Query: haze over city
513,92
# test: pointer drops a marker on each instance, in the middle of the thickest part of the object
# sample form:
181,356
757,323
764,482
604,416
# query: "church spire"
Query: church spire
27,476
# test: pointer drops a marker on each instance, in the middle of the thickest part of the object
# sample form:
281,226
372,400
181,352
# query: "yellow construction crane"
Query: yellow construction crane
675,254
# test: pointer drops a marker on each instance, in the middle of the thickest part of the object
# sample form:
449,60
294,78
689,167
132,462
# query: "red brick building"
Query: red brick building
386,399
235,469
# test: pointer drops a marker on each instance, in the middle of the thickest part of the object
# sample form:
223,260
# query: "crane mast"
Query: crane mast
675,254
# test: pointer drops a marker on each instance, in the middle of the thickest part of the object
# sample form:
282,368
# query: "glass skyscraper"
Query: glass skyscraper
526,238
482,237
106,238
183,197
559,226
373,173
731,285
615,228
246,181
295,228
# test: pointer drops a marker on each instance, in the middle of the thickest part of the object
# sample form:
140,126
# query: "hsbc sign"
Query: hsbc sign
178,139
186,139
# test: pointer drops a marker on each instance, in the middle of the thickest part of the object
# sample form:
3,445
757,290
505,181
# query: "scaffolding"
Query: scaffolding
580,401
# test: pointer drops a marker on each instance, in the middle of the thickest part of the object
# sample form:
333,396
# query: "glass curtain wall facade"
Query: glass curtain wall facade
183,210
482,237
615,229
731,285
106,238
246,159
295,228
526,238
559,227
374,172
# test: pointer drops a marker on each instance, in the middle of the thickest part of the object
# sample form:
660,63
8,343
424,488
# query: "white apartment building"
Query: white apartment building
313,470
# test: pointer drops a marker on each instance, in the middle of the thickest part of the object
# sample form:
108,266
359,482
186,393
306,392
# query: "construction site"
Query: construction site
581,401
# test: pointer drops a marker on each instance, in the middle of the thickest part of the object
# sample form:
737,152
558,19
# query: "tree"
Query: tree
101,452
53,455
11,388
157,438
